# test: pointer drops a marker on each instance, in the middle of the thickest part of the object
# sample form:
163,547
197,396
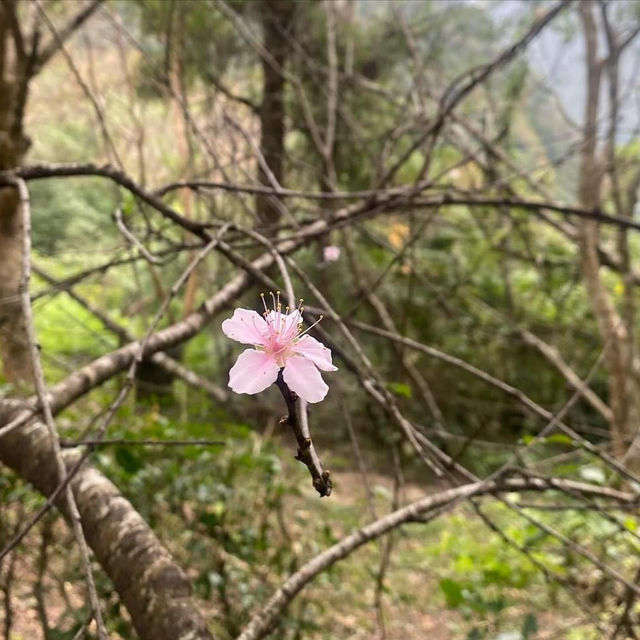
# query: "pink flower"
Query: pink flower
331,253
278,343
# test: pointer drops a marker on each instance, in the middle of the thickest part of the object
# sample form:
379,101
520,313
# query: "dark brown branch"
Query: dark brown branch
16,32
307,453
595,214
36,172
280,193
376,200
108,442
65,32
217,83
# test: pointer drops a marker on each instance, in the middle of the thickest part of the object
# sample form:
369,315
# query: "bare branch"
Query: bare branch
72,507
66,31
455,93
165,361
306,451
424,510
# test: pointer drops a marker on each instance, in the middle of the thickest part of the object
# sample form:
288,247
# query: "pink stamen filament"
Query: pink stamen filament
279,312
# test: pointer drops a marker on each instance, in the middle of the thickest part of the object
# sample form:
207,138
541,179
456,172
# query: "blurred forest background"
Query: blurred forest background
453,185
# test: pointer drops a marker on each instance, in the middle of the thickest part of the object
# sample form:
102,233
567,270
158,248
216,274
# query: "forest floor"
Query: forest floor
414,602
502,597
405,618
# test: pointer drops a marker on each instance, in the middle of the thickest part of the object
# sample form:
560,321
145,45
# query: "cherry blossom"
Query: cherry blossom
279,343
331,253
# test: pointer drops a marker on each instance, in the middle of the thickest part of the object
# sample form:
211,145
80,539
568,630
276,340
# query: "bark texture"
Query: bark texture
153,588
14,349
617,336
21,58
277,20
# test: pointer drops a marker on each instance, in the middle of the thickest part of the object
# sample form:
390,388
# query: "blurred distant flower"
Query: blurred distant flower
398,234
331,253
279,344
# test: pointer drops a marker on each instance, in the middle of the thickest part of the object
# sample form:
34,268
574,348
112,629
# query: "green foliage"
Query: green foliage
220,506
203,41
66,212
70,331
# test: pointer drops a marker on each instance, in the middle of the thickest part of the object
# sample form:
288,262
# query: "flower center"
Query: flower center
283,329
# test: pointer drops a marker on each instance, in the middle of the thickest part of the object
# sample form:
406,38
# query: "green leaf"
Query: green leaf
127,460
452,592
210,520
442,243
401,389
559,438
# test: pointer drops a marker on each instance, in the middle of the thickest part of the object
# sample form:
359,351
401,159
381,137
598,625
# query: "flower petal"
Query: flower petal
292,323
245,326
315,351
303,378
253,372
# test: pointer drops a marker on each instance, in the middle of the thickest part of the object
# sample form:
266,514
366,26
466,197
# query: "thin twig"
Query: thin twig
108,442
41,389
130,237
387,547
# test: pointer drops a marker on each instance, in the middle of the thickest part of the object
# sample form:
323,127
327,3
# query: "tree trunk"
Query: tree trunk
20,59
616,336
14,350
153,588
277,20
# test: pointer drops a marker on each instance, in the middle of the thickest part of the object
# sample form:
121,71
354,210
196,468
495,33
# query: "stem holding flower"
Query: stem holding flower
286,355
306,451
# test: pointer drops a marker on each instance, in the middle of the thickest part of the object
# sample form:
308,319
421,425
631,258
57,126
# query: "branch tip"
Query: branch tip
306,451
